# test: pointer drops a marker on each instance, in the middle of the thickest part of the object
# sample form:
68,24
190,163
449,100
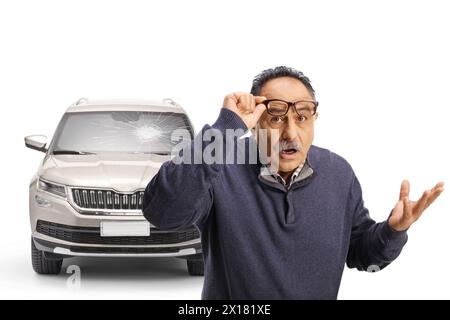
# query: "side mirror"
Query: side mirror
36,142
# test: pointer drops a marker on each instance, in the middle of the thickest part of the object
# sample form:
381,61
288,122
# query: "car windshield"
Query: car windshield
119,131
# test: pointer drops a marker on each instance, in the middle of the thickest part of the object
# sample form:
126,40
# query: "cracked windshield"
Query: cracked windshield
119,131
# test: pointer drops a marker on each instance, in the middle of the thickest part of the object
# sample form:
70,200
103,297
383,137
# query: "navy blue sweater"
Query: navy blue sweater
265,242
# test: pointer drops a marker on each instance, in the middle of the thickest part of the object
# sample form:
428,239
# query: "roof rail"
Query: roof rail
80,101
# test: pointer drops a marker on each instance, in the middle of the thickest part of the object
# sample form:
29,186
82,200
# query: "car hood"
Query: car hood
120,172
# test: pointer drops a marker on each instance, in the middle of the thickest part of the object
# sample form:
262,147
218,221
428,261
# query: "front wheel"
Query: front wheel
195,267
43,265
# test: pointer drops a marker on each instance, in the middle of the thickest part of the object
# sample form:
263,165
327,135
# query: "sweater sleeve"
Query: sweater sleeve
181,193
373,245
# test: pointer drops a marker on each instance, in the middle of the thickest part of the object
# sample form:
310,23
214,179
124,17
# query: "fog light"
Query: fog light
41,202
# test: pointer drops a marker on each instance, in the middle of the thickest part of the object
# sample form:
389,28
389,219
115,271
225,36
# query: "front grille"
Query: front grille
91,235
107,199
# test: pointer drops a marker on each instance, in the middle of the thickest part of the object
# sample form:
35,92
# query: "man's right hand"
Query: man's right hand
248,107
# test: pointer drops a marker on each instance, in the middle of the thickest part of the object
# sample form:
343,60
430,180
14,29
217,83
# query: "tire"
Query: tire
41,264
195,267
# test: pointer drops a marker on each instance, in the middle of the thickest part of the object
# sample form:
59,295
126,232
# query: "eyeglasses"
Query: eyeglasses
279,108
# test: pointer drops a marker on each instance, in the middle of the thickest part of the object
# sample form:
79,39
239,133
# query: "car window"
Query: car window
119,131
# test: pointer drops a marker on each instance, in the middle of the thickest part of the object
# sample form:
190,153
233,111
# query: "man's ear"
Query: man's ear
316,115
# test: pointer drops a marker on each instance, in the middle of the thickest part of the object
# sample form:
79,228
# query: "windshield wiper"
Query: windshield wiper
71,152
161,153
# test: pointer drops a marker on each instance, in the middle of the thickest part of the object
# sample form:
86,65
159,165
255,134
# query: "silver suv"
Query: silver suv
86,198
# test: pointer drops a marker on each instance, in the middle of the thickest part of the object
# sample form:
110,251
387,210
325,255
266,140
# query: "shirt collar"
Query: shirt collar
280,179
271,176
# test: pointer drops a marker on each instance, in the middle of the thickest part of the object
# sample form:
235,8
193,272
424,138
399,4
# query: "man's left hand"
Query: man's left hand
406,211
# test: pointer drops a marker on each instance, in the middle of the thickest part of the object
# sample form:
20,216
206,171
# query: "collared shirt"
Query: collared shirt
281,180
270,175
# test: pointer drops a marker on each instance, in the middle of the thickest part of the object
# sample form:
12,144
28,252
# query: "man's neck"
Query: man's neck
286,175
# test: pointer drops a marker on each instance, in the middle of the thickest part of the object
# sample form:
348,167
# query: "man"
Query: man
281,231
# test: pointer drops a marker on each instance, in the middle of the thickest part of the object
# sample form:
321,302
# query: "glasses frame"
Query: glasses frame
290,104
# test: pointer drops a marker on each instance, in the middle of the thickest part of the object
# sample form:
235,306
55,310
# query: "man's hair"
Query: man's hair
260,80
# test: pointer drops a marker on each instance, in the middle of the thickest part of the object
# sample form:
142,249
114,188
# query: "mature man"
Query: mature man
284,231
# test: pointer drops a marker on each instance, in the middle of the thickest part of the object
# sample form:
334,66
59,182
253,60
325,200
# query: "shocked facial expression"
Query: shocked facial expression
289,119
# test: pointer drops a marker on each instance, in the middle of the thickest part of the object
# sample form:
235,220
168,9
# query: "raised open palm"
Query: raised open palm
406,211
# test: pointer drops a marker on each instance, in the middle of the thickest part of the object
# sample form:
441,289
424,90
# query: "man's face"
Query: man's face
294,134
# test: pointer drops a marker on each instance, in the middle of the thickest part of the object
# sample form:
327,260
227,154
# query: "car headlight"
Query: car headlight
52,188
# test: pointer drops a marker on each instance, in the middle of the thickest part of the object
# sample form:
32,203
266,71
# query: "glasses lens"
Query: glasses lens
277,108
305,108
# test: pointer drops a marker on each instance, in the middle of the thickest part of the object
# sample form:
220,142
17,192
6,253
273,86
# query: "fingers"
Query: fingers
259,99
438,185
427,198
407,208
259,110
230,101
404,190
245,102
421,204
435,193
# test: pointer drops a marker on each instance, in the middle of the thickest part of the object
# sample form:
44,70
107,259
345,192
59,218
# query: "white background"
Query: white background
381,72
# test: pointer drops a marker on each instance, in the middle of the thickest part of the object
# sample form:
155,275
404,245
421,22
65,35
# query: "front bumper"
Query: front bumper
60,230
66,241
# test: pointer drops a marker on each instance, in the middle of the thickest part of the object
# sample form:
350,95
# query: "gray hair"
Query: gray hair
278,72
